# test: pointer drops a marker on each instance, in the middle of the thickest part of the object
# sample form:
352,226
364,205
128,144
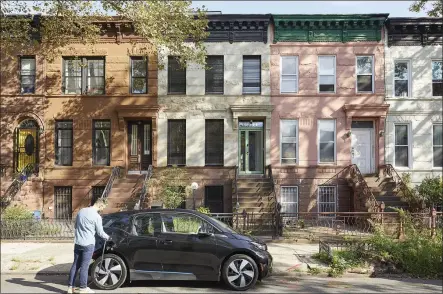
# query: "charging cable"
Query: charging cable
101,263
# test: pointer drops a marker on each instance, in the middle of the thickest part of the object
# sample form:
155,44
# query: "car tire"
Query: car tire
240,272
110,274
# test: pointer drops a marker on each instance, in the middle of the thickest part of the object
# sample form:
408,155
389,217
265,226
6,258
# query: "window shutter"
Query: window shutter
215,75
214,142
251,74
176,77
177,142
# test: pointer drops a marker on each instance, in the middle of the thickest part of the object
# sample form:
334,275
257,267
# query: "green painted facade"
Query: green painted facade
328,27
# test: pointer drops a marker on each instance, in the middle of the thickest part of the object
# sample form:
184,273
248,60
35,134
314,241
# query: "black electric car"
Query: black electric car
179,244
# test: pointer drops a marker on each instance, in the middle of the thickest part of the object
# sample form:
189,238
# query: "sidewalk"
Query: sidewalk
56,258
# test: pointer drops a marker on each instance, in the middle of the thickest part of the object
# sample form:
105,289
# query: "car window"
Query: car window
185,223
147,224
116,221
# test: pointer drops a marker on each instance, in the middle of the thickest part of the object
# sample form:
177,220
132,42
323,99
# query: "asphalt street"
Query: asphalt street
31,283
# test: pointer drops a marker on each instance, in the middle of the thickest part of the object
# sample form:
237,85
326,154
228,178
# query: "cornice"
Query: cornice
328,28
415,31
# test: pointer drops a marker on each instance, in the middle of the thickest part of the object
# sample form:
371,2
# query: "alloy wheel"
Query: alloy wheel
240,273
108,272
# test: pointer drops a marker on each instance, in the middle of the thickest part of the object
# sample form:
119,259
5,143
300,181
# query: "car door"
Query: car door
142,248
187,255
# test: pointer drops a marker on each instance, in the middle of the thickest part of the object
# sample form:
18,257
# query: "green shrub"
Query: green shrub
17,213
204,210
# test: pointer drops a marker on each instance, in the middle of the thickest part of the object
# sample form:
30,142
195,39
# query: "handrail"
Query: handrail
19,179
145,187
115,173
390,171
366,189
276,218
237,204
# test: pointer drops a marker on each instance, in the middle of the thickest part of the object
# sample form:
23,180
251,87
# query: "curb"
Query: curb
40,273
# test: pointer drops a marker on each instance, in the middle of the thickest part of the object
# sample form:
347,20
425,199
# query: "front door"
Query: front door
251,151
139,145
185,255
361,150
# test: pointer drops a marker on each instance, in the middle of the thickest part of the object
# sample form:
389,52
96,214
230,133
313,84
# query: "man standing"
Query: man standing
87,224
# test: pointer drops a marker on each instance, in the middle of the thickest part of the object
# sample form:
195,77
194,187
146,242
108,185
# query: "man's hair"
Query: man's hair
101,203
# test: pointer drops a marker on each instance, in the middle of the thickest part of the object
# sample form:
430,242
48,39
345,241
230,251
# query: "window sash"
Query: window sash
289,80
361,83
401,150
437,78
27,76
251,74
437,145
84,75
326,75
324,144
325,206
176,76
63,143
402,81
291,140
214,75
101,131
139,79
176,142
214,142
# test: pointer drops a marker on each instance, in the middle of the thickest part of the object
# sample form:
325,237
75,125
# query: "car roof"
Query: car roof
131,212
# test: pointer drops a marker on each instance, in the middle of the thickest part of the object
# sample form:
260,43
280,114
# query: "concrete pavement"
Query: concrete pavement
17,283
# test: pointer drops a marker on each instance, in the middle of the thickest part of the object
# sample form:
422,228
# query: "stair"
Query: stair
384,190
124,193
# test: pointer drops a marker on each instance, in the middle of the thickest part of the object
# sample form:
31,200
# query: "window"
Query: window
251,74
176,76
214,75
146,225
437,78
326,74
214,141
288,141
120,221
63,142
63,202
101,144
27,75
139,75
289,199
84,75
97,192
176,142
214,198
365,74
289,74
401,146
183,223
401,79
437,144
326,141
327,200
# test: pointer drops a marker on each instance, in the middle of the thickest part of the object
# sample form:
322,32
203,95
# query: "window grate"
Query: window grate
63,202
289,199
176,142
327,200
214,142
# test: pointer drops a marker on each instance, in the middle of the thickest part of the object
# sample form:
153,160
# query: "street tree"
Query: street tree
431,7
163,25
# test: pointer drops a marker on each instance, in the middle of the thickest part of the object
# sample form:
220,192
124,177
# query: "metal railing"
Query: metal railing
366,191
276,206
114,174
303,225
237,204
17,183
400,185
144,190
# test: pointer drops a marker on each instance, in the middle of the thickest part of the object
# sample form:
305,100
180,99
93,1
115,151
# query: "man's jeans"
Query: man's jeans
82,258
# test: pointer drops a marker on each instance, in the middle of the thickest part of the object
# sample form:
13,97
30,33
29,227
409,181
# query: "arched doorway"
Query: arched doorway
26,145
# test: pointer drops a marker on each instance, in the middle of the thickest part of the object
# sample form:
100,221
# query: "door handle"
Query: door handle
166,242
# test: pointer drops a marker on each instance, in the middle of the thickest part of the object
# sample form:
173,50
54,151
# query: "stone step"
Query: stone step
262,189
266,184
389,198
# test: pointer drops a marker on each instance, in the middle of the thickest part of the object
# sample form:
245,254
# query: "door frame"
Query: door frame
246,130
141,121
372,168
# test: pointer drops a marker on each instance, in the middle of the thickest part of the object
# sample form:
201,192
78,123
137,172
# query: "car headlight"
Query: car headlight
260,246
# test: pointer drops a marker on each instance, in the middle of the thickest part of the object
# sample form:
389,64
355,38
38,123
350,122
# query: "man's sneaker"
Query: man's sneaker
70,290
84,290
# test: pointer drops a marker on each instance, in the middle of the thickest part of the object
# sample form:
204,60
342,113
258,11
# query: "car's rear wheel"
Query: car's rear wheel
240,272
109,273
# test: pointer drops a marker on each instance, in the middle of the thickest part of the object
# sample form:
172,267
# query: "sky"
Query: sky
394,8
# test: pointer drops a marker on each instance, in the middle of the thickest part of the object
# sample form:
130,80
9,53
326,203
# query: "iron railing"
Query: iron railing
17,183
114,174
236,171
366,193
276,206
400,185
313,226
3,168
144,191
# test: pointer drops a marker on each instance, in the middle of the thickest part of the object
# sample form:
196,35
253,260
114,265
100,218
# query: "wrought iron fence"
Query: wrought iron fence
33,229
248,223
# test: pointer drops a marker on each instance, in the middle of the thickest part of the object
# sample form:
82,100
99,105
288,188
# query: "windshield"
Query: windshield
224,226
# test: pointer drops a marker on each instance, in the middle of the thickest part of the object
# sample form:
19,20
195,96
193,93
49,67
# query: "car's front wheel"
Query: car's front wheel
109,273
240,272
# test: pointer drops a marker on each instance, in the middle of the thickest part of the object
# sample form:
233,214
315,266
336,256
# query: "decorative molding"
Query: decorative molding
365,110
425,31
255,110
328,28
135,111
